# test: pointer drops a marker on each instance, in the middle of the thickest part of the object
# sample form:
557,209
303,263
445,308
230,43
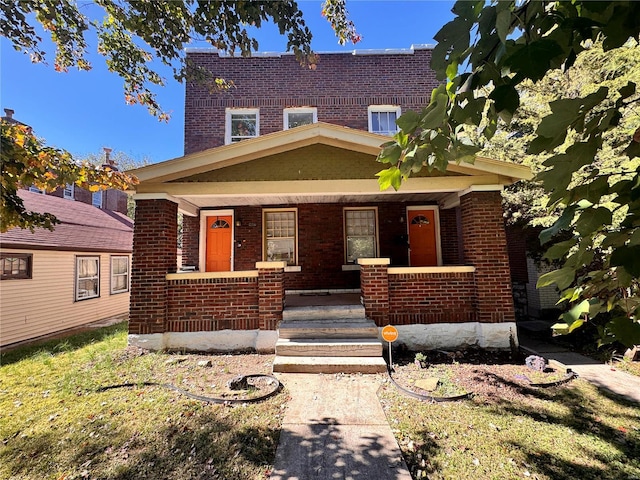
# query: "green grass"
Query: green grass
571,432
54,425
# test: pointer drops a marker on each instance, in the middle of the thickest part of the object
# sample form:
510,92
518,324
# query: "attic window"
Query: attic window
241,124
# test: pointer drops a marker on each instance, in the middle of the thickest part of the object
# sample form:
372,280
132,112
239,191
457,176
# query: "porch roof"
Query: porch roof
220,176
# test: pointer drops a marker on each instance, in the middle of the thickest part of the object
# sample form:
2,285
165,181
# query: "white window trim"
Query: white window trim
264,234
202,252
77,278
36,190
379,109
344,229
93,195
287,111
245,111
128,274
436,218
69,188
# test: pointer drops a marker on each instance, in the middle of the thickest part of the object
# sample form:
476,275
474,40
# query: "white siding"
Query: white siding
45,303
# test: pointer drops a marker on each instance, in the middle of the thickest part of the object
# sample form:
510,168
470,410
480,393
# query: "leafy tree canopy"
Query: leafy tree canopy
130,35
484,56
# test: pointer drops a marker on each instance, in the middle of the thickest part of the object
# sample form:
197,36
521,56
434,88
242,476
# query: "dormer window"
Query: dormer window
241,123
298,116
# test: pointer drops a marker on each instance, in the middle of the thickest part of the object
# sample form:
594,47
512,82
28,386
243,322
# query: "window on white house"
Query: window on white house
280,236
119,274
382,119
241,123
36,190
296,117
361,233
15,266
87,278
68,191
96,199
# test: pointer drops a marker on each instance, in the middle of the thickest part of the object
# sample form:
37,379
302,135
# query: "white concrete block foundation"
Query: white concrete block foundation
262,341
457,335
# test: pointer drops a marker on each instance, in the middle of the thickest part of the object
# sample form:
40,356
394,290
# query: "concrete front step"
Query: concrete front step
323,312
328,329
311,364
324,347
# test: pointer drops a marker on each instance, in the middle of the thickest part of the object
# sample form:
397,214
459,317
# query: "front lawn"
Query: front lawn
510,430
56,425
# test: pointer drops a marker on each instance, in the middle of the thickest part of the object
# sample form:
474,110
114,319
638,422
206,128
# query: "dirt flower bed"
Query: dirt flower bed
490,376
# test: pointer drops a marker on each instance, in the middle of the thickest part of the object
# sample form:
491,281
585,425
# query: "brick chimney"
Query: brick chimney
8,112
108,162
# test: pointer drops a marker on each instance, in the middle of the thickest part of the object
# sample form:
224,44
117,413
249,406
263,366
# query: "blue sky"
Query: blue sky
85,111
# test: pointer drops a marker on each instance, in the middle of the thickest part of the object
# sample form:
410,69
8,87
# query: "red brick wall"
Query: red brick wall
431,298
375,292
485,247
449,235
271,297
211,304
190,240
155,237
341,87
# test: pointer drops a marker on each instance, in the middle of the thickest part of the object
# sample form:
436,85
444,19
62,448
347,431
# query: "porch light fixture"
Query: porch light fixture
238,223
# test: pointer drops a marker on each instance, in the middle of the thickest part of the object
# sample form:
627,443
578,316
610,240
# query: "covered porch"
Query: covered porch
300,211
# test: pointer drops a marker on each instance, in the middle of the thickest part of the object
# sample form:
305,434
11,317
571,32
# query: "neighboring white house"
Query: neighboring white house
55,280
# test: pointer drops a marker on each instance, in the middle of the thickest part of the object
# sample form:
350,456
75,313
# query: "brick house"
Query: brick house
279,196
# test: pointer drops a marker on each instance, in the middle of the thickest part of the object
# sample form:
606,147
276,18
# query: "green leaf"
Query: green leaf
624,330
390,153
436,112
562,278
591,220
390,177
503,21
561,224
575,314
560,249
408,121
532,60
628,257
507,100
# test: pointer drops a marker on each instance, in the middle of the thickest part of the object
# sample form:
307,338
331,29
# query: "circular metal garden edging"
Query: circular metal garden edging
426,398
203,398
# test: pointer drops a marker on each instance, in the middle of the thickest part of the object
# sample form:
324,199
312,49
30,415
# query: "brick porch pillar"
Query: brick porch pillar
155,241
374,283
485,247
270,293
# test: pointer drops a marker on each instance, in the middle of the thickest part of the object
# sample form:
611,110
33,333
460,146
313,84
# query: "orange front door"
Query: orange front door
423,250
219,243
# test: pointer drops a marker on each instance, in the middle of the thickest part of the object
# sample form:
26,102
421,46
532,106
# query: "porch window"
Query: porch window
296,117
87,278
382,119
241,123
280,236
119,274
361,233
15,266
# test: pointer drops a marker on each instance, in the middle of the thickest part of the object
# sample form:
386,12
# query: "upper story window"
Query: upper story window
241,123
280,236
382,119
36,190
68,191
296,117
361,233
96,199
14,266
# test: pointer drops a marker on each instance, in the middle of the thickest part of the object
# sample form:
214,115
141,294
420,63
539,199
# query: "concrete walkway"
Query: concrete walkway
603,376
335,428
